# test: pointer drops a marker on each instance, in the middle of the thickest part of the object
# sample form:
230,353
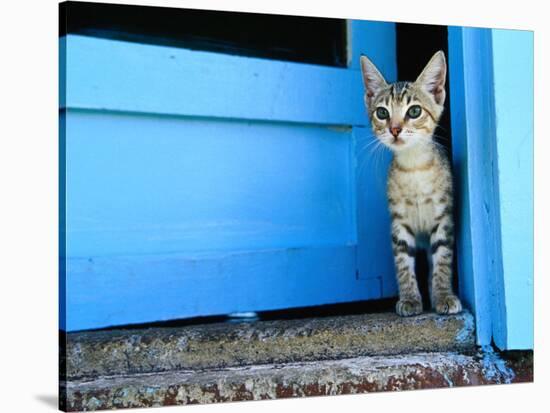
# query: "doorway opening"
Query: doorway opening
313,40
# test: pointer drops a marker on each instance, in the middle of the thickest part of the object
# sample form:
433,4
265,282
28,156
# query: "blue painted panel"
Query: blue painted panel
108,291
164,80
184,183
147,184
513,85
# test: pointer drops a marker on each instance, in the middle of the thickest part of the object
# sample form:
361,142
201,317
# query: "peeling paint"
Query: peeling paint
494,366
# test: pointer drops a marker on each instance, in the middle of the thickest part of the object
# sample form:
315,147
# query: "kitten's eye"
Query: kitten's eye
382,113
414,111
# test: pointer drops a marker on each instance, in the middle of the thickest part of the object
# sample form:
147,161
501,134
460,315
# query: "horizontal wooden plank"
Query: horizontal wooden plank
150,184
114,75
115,290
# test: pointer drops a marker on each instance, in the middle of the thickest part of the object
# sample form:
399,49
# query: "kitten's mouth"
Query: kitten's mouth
398,141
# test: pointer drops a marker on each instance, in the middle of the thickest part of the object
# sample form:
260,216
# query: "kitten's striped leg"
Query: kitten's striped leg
444,301
404,249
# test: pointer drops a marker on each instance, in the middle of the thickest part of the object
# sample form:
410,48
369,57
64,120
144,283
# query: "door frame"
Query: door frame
494,180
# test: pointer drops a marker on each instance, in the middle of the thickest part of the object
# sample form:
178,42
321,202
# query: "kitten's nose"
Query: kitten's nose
395,131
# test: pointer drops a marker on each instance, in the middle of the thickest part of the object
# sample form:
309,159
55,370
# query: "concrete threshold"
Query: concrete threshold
271,381
222,345
276,359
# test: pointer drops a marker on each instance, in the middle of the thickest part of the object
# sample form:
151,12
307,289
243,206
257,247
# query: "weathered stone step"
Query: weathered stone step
271,381
116,352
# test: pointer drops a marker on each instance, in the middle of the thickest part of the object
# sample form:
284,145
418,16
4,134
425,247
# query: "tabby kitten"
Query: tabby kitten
404,116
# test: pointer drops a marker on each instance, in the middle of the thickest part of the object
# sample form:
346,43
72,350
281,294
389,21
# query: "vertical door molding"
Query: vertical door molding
492,190
474,162
374,256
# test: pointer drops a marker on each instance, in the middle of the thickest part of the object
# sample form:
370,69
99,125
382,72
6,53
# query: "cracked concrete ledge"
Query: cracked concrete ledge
272,381
101,353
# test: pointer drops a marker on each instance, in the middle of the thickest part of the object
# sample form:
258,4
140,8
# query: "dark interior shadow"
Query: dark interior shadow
49,400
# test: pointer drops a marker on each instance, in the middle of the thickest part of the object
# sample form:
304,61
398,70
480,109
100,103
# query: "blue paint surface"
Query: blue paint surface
194,183
119,76
492,159
471,117
122,289
377,40
374,258
513,85
202,184
149,184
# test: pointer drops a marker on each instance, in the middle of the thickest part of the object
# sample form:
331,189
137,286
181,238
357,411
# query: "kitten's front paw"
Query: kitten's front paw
408,307
448,304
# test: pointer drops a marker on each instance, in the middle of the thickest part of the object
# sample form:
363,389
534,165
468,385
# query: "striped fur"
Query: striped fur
419,187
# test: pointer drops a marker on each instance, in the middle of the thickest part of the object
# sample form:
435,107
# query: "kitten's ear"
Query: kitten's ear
372,79
432,78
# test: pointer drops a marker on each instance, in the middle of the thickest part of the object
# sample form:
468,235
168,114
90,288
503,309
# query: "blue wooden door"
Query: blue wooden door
197,183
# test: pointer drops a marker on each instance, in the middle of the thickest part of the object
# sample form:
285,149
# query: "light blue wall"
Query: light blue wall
513,83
